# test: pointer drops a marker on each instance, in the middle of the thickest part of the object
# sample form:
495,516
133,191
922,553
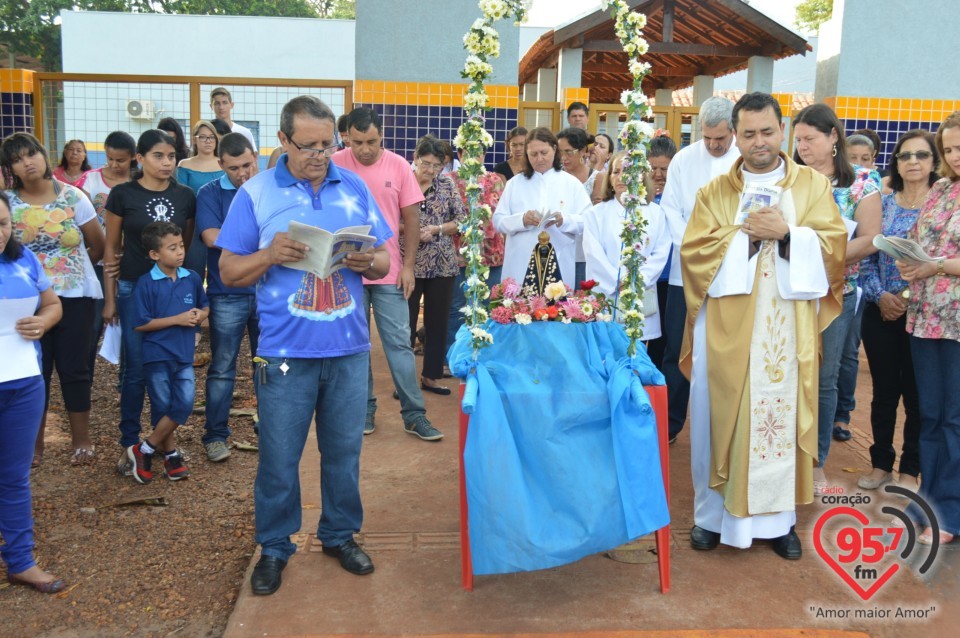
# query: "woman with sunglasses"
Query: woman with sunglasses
933,321
913,170
441,213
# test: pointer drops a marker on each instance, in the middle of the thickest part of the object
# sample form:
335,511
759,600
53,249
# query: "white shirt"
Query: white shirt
244,131
691,168
543,192
602,246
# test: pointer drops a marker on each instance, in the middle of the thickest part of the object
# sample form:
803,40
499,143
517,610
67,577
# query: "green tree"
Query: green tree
31,27
812,13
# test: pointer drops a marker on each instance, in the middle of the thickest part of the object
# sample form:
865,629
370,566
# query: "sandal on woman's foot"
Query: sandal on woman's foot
83,456
44,587
926,538
37,460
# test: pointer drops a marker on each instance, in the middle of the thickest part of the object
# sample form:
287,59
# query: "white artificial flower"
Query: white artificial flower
522,318
555,290
507,303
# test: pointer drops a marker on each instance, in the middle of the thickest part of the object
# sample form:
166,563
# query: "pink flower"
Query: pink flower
502,315
510,288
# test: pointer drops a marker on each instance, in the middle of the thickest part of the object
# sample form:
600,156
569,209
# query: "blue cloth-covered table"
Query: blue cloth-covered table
561,457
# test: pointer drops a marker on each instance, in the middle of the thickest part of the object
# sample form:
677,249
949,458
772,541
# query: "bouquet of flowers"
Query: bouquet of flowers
557,303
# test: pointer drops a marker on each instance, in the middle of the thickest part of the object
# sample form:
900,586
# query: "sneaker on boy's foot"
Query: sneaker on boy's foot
422,427
124,466
216,451
140,464
174,467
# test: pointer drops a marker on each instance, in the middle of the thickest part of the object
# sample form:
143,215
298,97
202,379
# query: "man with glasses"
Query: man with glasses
314,339
221,102
396,190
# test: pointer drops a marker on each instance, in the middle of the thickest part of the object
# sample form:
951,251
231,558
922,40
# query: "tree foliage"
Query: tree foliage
812,13
32,27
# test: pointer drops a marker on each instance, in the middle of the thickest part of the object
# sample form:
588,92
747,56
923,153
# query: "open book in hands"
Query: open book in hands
327,249
546,218
902,249
755,197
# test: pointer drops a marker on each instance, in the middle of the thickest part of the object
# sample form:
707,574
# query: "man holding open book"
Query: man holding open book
761,284
314,347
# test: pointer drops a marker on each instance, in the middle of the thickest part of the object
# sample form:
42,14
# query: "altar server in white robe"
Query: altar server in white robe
759,292
541,189
602,245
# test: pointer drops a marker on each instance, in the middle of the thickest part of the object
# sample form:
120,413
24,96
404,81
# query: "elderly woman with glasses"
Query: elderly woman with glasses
441,213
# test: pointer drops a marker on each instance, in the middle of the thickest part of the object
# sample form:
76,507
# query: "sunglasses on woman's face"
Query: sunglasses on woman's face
906,156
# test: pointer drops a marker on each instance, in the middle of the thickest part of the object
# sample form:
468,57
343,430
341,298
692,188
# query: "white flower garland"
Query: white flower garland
635,137
482,43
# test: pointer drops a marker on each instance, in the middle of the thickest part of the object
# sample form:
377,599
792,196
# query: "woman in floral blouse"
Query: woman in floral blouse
933,320
59,225
820,144
441,213
913,170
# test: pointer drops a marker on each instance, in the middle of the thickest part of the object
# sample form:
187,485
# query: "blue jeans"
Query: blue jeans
833,340
335,389
392,314
849,367
230,316
172,388
459,300
936,365
21,406
678,388
133,388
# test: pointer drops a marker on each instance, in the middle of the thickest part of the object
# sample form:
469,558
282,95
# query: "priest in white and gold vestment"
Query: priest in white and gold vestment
758,293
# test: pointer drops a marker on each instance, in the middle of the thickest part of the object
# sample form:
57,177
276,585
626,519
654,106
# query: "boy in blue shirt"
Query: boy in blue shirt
170,303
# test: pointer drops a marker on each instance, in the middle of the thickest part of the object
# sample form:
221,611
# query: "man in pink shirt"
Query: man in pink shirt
398,195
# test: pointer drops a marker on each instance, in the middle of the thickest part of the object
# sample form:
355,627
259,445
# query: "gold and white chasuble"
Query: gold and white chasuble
752,332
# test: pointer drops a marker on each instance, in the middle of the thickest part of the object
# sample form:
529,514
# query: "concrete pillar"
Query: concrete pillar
546,92
663,97
760,74
569,71
702,89
530,92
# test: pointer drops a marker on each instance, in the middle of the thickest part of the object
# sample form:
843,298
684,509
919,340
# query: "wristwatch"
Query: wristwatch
940,265
786,239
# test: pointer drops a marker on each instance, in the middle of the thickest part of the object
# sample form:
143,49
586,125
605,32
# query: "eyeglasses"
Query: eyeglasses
206,138
313,153
905,156
430,166
570,152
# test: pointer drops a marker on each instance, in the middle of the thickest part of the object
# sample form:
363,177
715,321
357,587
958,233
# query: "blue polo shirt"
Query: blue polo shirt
213,202
157,296
302,316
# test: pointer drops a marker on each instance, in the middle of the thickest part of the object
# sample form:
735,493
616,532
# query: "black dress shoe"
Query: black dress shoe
266,575
703,539
352,558
788,546
436,389
841,434
396,395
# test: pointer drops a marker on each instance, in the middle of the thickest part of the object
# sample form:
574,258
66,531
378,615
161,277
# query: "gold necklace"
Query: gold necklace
912,205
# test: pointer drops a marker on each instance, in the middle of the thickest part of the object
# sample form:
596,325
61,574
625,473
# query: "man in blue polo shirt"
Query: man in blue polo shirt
314,336
232,310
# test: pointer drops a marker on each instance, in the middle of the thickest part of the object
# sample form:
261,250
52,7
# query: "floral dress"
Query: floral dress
442,204
934,311
866,182
491,185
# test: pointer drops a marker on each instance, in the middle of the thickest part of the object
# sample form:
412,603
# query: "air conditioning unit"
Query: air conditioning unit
140,109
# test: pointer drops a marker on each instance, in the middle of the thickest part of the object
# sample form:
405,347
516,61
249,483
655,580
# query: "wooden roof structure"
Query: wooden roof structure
687,38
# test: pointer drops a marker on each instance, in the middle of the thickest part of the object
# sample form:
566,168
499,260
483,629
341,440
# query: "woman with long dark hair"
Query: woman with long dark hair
153,195
30,309
57,223
172,126
821,145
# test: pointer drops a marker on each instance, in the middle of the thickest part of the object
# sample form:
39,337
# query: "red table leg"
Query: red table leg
658,399
466,564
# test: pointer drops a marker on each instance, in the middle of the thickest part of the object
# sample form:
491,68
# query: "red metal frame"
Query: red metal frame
658,399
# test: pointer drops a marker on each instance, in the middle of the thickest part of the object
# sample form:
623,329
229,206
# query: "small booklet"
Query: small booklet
755,197
546,218
903,249
327,249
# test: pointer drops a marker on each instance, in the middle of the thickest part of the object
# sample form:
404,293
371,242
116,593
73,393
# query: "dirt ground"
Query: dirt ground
143,570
